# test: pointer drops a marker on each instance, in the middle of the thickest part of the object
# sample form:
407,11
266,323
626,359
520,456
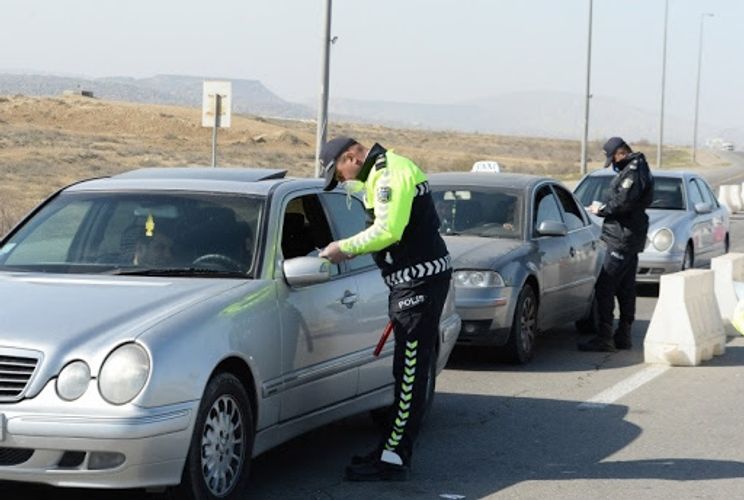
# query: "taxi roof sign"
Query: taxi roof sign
486,166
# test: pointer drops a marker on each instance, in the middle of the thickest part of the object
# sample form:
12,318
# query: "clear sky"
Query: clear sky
440,51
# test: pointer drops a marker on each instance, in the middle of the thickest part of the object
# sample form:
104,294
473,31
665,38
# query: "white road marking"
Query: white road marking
624,387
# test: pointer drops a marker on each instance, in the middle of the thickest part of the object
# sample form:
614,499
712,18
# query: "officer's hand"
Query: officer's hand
333,253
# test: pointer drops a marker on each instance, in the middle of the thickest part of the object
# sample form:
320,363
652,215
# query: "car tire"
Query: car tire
688,261
224,424
381,416
520,348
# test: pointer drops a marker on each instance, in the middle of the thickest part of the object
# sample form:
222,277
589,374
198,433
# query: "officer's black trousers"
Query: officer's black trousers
415,308
617,279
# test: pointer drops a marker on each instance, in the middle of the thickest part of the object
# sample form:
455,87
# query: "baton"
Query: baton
383,338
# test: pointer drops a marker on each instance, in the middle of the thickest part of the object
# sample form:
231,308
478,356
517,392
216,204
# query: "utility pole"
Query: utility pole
660,143
325,72
697,89
585,137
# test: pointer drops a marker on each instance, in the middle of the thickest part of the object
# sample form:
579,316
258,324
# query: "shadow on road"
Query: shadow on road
476,446
556,351
471,445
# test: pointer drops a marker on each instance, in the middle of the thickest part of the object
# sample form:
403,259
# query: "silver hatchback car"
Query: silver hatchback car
165,326
687,225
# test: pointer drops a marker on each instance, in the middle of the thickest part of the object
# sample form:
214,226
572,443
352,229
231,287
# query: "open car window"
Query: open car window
153,232
305,229
349,218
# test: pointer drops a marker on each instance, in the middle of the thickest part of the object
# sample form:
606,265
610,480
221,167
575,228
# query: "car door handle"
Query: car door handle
349,299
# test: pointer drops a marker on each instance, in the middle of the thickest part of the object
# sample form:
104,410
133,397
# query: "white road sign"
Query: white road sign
210,101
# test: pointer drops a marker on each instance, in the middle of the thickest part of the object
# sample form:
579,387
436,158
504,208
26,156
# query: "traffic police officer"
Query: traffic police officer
624,232
403,238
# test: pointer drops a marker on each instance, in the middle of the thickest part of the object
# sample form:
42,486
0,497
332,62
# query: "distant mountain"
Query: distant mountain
536,114
249,96
532,114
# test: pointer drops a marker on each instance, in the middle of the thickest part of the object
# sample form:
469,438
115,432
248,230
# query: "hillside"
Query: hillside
48,142
534,114
249,96
526,113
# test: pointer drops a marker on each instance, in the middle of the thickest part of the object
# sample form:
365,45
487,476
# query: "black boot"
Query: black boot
603,342
622,336
367,458
377,471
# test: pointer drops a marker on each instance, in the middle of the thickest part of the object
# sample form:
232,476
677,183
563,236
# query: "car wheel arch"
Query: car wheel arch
531,280
238,367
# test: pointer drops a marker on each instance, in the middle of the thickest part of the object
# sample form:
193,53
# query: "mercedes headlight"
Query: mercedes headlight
663,240
124,374
477,279
73,380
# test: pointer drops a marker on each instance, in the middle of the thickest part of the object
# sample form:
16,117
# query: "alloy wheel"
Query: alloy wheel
528,323
222,446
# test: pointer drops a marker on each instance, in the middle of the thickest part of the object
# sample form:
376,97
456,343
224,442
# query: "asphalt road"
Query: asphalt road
499,431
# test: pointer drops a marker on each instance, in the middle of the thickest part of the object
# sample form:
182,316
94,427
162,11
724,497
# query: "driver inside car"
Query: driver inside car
155,250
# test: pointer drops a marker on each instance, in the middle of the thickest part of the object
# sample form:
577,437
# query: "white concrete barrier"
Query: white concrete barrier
723,197
728,269
735,198
730,196
686,327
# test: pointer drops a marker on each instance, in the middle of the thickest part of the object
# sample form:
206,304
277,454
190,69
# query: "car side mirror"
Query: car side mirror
304,271
552,228
703,208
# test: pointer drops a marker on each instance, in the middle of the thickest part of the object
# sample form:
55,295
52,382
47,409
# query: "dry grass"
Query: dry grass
47,143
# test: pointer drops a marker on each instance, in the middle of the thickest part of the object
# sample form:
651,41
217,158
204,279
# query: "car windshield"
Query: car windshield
487,212
153,233
668,193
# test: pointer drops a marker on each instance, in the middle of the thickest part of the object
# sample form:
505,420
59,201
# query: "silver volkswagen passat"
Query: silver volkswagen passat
165,326
525,257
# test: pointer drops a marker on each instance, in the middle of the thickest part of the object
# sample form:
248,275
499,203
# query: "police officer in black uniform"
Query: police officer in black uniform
624,233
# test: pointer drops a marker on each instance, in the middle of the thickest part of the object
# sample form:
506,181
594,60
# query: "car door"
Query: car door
702,227
348,217
583,253
719,219
321,337
554,260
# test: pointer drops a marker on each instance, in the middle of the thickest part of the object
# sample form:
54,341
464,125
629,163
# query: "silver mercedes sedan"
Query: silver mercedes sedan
525,257
164,326
687,225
